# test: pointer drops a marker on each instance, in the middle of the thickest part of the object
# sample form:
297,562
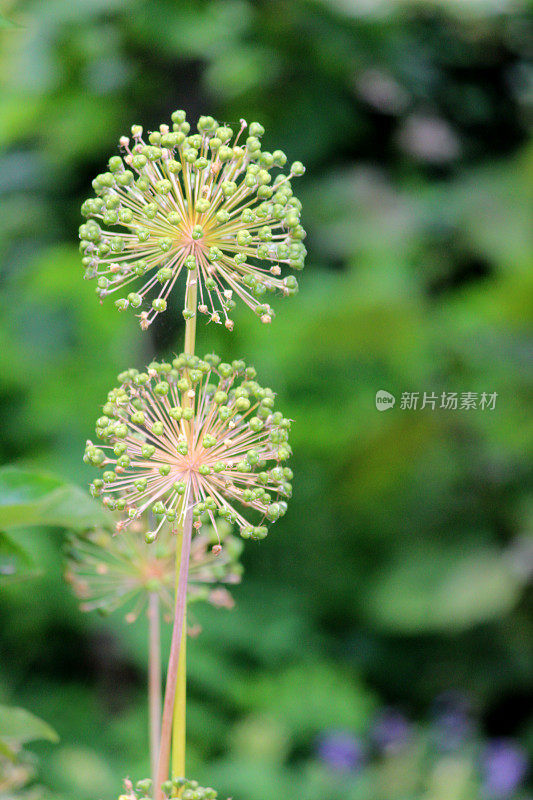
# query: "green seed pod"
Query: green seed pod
224,133
225,153
256,129
162,388
173,166
223,216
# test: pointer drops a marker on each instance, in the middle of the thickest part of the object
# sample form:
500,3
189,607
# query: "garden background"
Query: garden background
381,643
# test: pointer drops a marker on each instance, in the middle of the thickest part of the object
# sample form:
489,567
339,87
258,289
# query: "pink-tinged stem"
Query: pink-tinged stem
154,679
172,674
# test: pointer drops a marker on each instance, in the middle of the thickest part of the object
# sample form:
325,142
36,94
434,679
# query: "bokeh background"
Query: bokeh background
381,644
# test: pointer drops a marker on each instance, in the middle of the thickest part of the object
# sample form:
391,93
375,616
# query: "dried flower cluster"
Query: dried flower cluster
108,572
204,203
195,434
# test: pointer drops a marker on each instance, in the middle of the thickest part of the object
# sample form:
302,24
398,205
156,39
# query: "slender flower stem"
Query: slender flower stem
178,721
154,679
173,723
190,305
173,663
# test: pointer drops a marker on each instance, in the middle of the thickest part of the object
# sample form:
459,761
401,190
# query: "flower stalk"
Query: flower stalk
154,679
183,546
174,659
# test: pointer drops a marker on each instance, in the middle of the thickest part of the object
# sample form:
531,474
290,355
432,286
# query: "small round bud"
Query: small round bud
297,168
135,300
256,129
224,133
225,153
115,164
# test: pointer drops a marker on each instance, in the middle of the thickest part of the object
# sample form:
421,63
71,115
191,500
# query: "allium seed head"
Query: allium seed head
108,572
196,434
203,204
182,787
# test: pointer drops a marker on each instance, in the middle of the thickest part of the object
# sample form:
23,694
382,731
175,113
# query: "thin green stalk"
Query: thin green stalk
173,663
191,295
179,716
173,722
154,679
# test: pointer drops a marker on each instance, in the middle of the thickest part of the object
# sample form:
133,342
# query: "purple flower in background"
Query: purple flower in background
452,720
390,730
341,751
504,767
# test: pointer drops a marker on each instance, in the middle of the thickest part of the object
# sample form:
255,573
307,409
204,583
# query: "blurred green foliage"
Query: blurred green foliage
401,571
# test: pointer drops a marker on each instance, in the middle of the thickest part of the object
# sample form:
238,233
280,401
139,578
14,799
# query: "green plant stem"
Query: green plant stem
174,707
173,663
191,295
154,679
179,715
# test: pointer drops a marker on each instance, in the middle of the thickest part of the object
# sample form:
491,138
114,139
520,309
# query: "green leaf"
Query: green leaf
443,589
32,498
18,727
18,486
15,561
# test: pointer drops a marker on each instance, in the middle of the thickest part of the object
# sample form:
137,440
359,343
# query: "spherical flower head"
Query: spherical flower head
196,435
205,205
107,572
178,787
